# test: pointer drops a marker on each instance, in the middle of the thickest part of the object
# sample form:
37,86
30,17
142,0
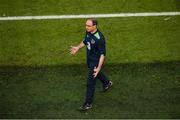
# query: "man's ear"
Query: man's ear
95,26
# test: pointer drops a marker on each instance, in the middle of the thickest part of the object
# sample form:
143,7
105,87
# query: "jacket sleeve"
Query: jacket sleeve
85,41
102,46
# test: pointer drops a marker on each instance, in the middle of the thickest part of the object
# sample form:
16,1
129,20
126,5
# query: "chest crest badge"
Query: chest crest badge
92,41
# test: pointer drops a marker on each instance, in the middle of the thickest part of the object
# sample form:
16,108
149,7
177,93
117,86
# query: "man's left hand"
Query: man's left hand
96,71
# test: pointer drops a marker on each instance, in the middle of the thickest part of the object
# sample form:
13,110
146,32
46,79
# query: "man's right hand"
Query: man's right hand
74,50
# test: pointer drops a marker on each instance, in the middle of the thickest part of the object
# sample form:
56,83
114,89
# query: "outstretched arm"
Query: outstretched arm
75,49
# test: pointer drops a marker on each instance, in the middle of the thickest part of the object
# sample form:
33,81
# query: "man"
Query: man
96,51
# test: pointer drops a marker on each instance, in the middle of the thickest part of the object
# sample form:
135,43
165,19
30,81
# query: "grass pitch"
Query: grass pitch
40,79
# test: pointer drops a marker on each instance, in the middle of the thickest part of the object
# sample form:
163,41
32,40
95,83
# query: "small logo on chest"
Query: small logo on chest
92,41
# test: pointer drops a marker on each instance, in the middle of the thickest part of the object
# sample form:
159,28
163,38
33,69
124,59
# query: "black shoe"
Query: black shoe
108,86
85,107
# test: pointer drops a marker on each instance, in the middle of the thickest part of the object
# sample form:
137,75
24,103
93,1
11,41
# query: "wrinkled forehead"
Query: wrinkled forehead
89,23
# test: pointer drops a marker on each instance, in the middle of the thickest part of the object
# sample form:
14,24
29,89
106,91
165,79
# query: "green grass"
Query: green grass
42,7
140,39
139,91
40,79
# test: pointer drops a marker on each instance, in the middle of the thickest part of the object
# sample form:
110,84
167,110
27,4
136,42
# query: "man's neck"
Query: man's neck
93,31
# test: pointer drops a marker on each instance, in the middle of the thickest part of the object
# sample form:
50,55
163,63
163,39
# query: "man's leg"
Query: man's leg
91,82
103,78
106,83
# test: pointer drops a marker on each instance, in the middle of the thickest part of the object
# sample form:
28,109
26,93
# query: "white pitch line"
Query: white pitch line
90,16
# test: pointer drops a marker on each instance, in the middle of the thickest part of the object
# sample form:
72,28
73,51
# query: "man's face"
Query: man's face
89,26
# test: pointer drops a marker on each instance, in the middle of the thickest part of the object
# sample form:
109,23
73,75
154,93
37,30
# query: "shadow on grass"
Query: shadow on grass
141,90
81,69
